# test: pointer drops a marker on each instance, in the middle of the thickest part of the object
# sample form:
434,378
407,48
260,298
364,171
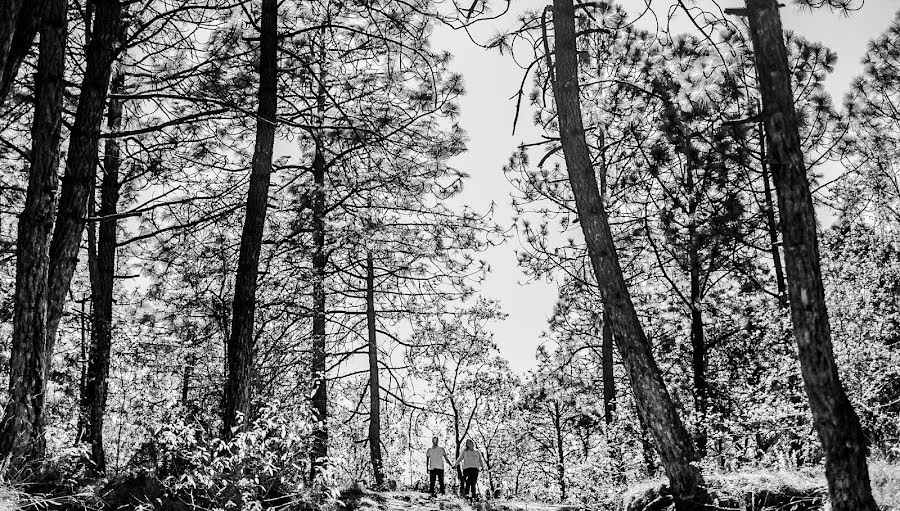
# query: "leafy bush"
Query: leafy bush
263,467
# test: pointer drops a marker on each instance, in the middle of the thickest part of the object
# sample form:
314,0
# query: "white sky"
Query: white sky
487,114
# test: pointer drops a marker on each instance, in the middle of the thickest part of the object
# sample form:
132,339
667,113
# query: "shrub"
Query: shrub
263,467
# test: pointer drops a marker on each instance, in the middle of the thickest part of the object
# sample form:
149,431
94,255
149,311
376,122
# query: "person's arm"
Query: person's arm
481,461
458,460
449,462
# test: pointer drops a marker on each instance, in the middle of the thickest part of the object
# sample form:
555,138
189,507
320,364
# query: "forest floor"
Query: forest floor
752,489
417,501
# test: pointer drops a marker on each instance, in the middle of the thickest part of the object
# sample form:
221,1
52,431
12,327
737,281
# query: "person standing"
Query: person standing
434,458
471,461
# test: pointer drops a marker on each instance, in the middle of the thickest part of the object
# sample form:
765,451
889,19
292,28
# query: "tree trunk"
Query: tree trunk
26,27
237,399
374,383
81,165
9,21
22,438
560,452
318,368
835,419
609,382
653,400
96,381
698,344
82,360
457,442
490,473
771,222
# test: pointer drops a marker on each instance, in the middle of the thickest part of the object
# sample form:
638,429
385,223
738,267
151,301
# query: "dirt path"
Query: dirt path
413,501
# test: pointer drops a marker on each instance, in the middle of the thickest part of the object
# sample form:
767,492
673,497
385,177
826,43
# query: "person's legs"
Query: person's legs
473,484
440,478
432,475
469,477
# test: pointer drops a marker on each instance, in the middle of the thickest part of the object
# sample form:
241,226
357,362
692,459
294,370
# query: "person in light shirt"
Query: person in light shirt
471,462
434,459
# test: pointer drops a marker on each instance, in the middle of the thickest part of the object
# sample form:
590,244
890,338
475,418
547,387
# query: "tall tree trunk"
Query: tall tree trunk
22,429
237,399
609,382
457,443
81,165
318,368
490,473
560,452
82,379
96,380
834,417
698,343
653,400
9,21
771,222
26,27
374,383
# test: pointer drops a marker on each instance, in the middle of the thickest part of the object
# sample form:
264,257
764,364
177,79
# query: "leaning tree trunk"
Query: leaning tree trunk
240,343
9,21
374,383
97,374
835,419
78,180
653,400
26,28
319,451
22,430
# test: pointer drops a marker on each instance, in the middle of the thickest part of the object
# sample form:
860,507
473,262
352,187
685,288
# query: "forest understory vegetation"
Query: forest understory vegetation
144,488
238,269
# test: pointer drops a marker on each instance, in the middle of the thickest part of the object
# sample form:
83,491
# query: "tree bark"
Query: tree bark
22,429
237,399
834,417
318,368
490,473
457,442
653,400
560,451
26,27
698,340
96,380
9,21
374,383
771,222
609,382
81,165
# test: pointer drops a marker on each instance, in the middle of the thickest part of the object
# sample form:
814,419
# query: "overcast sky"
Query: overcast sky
487,114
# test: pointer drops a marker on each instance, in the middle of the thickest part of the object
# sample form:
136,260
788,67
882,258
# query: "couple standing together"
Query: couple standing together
470,460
